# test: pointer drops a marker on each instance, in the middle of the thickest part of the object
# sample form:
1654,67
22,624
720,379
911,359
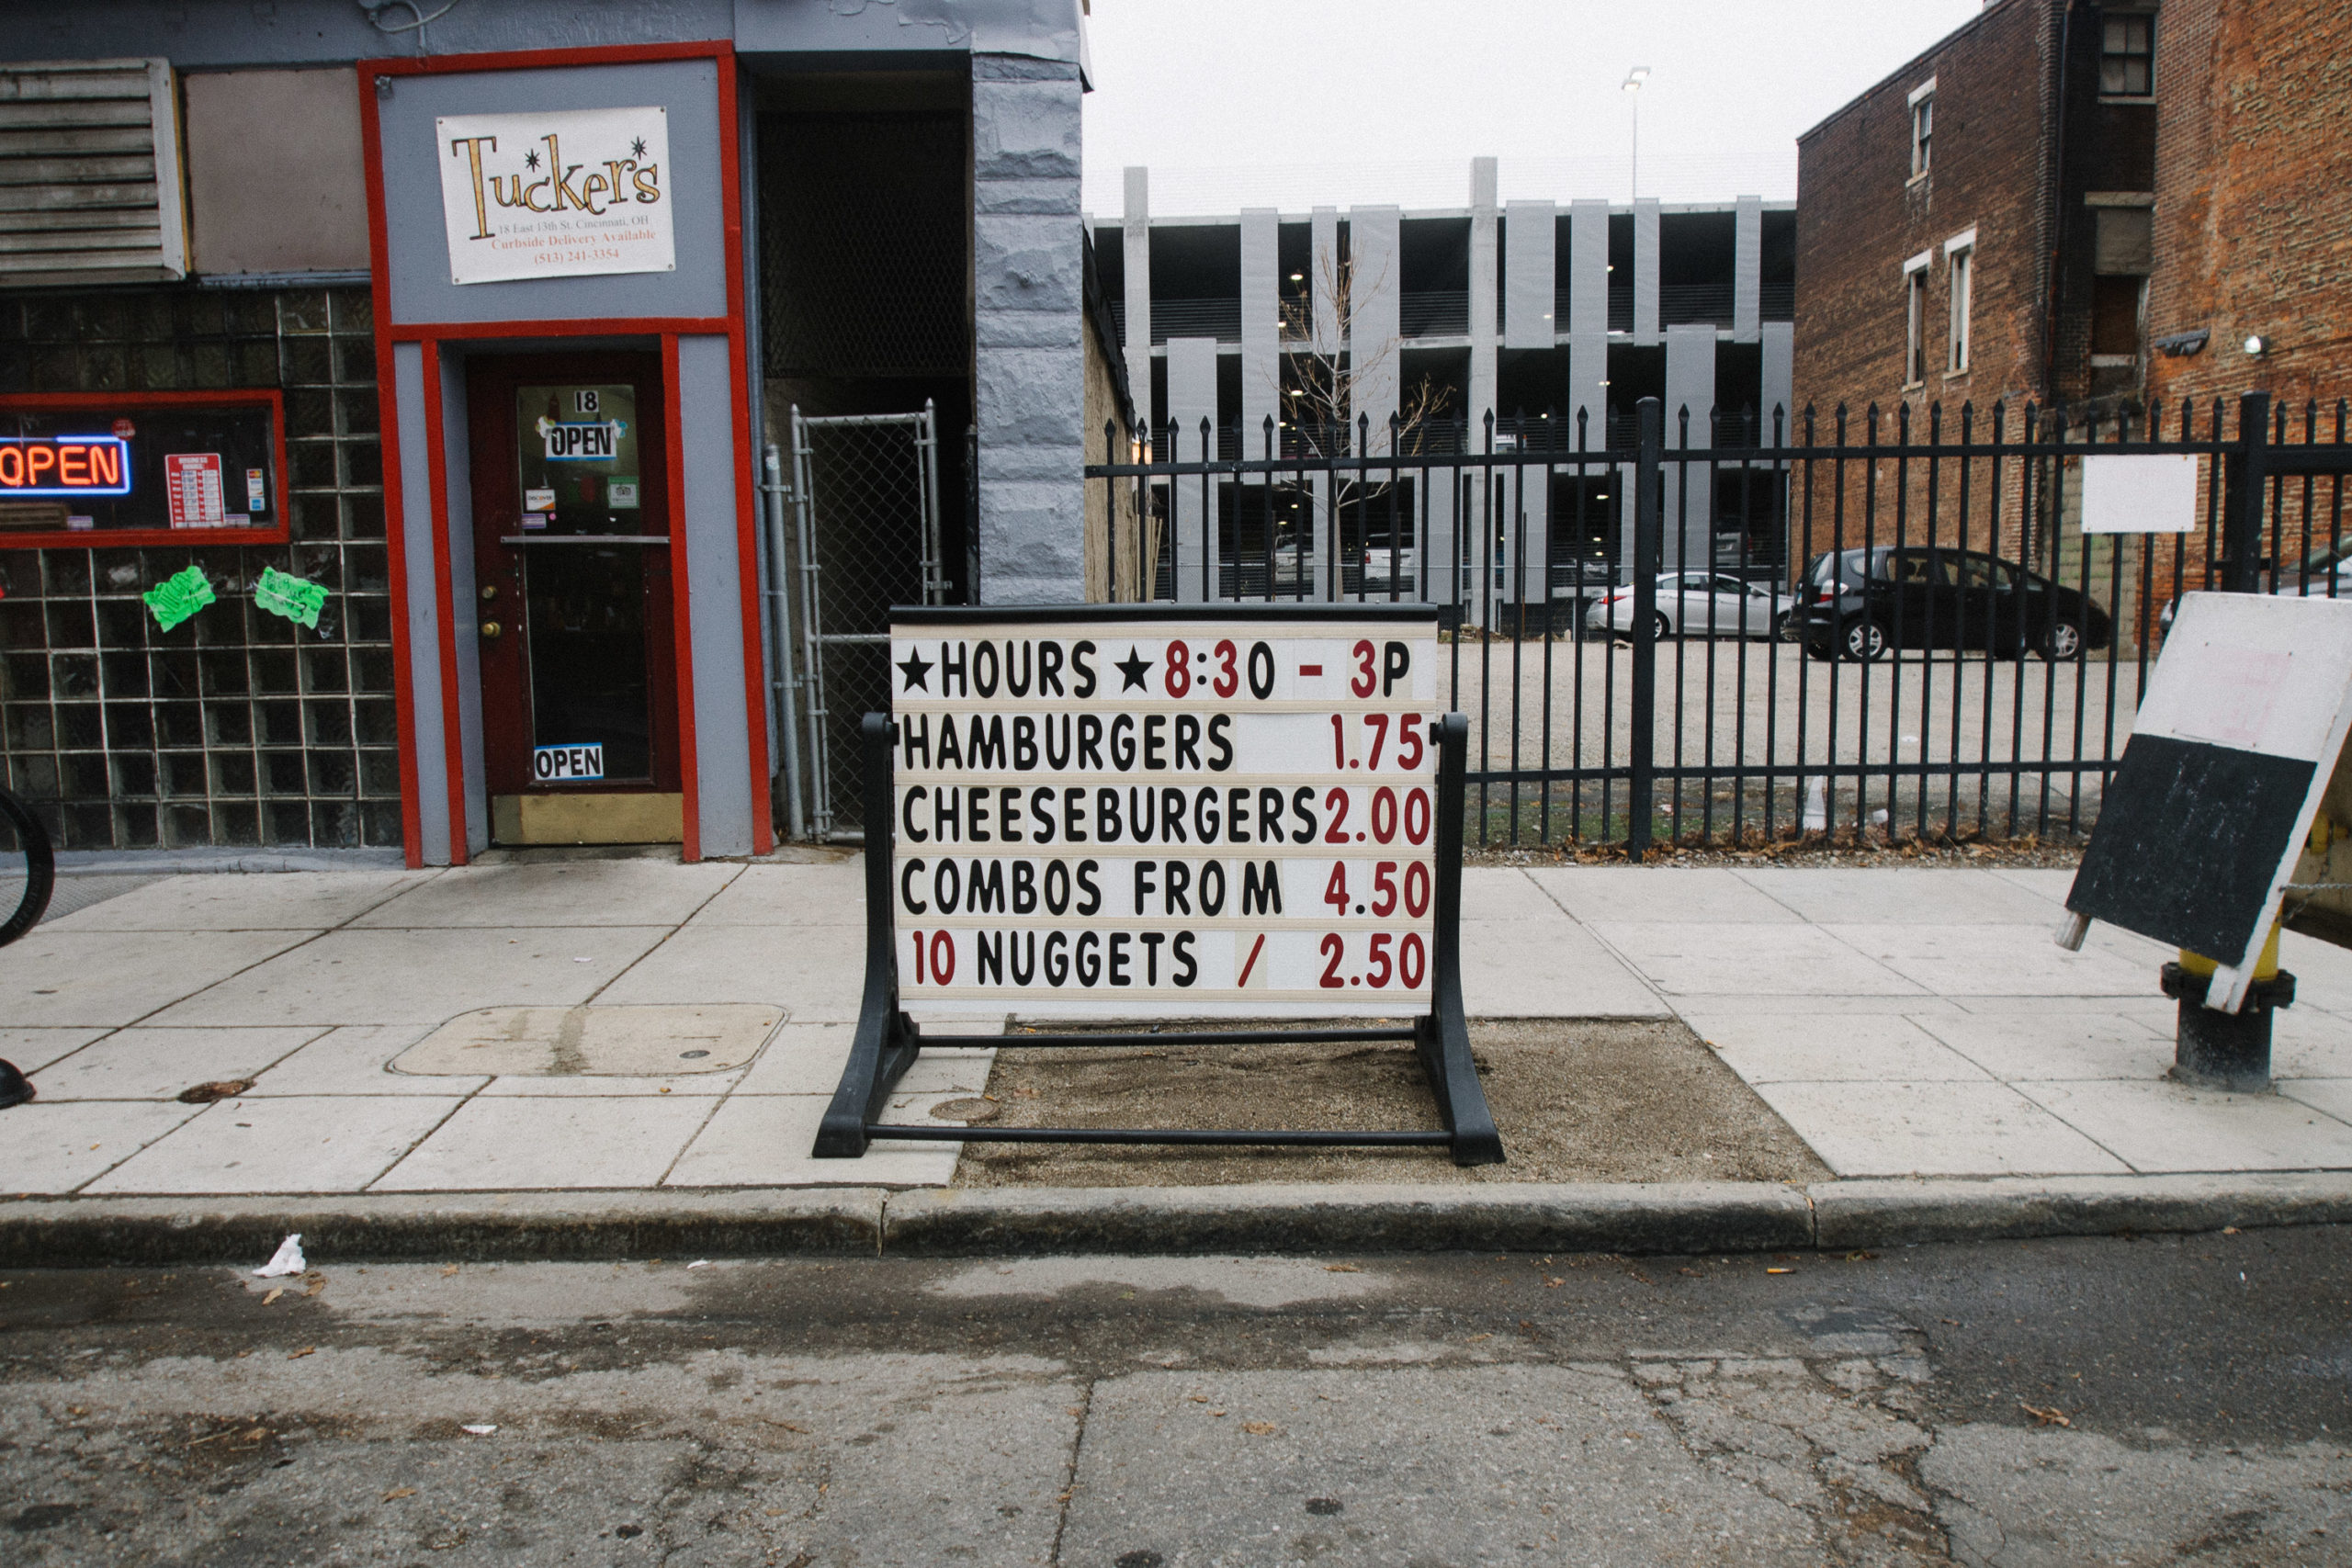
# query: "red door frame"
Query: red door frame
667,330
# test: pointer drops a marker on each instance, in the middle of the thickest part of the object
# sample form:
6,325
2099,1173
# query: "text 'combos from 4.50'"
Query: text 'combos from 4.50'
1214,814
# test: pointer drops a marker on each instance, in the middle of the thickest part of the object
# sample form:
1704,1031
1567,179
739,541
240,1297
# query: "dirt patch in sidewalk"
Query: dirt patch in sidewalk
1576,1101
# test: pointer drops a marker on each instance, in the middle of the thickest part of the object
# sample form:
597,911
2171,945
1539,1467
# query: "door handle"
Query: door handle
490,631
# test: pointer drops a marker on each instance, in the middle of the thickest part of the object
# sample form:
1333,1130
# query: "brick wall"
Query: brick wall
1860,215
2254,202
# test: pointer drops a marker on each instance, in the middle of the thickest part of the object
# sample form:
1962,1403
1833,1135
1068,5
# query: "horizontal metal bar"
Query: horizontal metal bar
1197,1037
1225,610
583,538
1285,1139
1728,773
840,421
2311,461
2314,457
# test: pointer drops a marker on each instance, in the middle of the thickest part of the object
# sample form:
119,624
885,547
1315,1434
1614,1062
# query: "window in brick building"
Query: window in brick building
1923,125
1962,257
2127,59
1914,319
2115,320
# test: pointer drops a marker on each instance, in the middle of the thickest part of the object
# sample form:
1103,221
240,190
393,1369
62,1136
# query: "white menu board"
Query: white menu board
1171,818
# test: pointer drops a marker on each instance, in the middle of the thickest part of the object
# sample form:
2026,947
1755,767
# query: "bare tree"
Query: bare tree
1319,382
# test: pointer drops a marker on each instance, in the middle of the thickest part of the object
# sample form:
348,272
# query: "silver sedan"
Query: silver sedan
1697,604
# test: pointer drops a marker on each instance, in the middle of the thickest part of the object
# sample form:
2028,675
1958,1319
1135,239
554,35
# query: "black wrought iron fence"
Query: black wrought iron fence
1731,631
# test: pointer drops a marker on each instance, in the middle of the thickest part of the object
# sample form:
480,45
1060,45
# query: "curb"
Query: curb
85,1233
1730,1217
1896,1212
1726,1216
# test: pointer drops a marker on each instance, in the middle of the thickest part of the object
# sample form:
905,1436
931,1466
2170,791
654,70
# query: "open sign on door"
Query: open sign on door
567,765
595,443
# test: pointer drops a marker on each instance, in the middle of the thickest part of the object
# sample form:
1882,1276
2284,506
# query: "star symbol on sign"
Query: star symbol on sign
531,159
1135,667
917,669
636,148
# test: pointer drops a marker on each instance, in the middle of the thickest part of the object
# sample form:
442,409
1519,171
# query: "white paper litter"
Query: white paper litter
699,1263
286,1260
483,1431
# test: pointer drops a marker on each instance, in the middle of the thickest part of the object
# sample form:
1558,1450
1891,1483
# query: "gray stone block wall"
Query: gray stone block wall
1028,302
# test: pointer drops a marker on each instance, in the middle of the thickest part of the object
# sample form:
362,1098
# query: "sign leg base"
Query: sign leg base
2224,1050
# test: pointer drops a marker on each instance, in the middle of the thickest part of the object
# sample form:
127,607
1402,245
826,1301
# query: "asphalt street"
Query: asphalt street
2115,1400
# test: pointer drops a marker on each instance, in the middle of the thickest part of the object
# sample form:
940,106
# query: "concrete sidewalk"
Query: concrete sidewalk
1905,1022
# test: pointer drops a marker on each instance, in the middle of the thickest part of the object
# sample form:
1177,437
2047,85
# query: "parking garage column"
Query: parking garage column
1645,313
1485,223
1779,379
1689,493
1135,243
1376,346
1530,272
1747,269
1323,280
1587,324
1192,397
1260,325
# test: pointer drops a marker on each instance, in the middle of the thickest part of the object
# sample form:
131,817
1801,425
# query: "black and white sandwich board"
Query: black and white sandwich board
2207,830
1156,812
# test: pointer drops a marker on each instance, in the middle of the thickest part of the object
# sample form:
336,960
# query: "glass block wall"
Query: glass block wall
238,727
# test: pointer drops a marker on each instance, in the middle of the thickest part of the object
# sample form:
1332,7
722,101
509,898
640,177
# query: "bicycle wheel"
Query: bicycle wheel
27,870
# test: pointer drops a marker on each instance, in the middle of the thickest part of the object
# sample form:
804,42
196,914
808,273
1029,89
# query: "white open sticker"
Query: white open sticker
567,765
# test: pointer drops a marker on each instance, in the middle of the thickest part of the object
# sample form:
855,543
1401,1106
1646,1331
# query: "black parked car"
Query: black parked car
1859,603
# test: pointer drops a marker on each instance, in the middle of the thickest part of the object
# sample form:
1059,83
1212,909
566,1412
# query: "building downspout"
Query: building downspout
2055,214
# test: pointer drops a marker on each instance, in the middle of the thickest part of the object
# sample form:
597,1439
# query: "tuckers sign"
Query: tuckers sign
556,194
1208,818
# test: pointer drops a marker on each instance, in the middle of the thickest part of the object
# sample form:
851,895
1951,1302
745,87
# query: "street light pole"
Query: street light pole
1632,87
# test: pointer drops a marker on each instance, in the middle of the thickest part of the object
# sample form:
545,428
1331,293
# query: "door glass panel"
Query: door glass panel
585,611
584,604
577,456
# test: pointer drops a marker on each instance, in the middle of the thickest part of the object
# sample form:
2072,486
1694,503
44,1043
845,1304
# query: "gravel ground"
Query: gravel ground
1577,1100
1815,850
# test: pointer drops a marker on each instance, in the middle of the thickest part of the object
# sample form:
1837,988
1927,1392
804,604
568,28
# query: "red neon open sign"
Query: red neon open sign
64,465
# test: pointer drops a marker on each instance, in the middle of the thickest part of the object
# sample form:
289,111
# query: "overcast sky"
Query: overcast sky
1302,103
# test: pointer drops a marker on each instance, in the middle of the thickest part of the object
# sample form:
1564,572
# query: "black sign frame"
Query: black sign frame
888,1042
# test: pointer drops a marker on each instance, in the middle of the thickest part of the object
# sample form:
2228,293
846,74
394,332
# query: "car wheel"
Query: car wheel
2062,643
1863,639
1781,630
1660,626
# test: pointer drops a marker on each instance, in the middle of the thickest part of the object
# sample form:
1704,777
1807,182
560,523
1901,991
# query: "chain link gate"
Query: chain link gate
864,499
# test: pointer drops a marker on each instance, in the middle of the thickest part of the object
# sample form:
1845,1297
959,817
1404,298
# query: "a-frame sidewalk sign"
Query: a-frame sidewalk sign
1165,813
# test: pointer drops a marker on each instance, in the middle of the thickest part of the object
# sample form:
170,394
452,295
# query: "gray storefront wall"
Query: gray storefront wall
239,730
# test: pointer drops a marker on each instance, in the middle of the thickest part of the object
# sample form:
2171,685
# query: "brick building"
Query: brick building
2252,227
1976,229
2117,209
